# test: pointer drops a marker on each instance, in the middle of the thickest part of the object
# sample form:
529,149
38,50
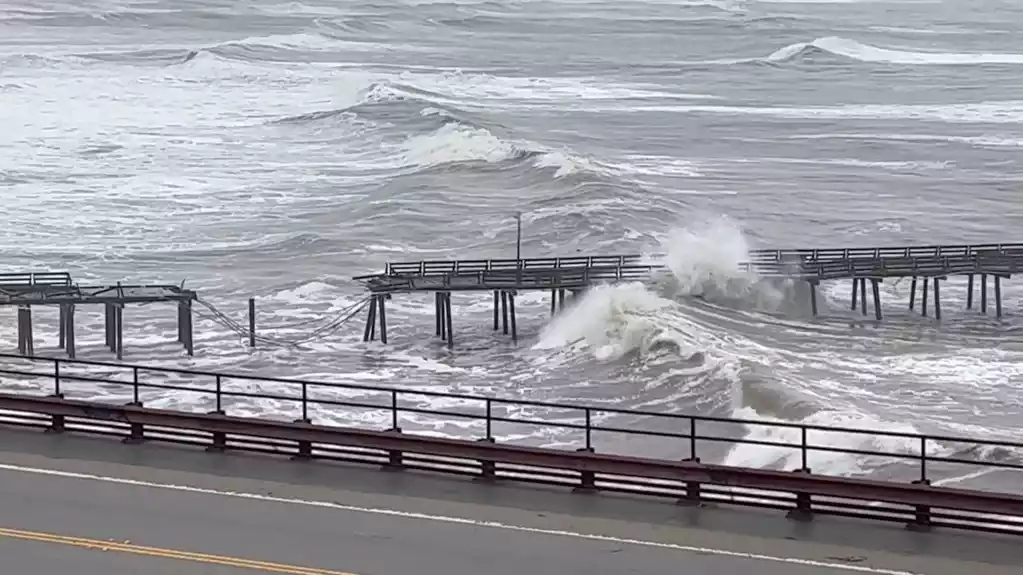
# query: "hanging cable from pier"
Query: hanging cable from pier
328,328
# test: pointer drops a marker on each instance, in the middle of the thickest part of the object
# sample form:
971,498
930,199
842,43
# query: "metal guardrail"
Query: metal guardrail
496,457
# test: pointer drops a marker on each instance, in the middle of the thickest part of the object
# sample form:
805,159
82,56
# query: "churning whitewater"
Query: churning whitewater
278,149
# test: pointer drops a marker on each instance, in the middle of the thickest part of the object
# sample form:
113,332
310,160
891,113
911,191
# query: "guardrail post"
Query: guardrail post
488,469
305,447
692,496
922,513
587,478
57,421
804,505
395,459
219,437
137,432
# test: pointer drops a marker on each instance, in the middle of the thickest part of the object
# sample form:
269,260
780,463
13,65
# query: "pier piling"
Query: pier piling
923,298
969,292
877,297
983,293
504,312
998,296
69,330
383,317
371,319
511,313
937,298
449,328
252,322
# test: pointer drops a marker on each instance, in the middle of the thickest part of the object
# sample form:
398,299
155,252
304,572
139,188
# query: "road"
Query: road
96,507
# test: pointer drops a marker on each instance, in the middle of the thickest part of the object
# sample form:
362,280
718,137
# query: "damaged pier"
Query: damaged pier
922,264
926,266
37,289
505,278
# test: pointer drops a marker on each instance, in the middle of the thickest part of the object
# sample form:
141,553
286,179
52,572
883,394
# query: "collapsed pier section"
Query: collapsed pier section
41,289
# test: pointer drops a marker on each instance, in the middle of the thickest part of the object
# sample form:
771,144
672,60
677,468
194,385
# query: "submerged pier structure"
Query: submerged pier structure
926,266
41,289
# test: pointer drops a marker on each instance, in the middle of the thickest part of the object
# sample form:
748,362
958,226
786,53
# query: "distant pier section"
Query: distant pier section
56,289
927,266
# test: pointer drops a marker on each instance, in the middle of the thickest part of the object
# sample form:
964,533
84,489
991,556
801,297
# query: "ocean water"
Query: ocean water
276,149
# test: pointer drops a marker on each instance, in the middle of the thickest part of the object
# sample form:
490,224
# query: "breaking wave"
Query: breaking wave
846,48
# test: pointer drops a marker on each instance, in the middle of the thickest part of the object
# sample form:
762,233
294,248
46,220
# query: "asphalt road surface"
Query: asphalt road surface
96,507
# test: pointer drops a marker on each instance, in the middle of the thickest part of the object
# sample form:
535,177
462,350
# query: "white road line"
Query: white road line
458,520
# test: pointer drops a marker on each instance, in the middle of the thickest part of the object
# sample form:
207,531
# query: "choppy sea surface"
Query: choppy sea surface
276,149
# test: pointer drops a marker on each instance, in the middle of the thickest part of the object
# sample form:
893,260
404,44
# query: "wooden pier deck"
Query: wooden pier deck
506,277
29,289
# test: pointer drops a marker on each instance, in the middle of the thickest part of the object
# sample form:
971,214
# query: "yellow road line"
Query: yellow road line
165,553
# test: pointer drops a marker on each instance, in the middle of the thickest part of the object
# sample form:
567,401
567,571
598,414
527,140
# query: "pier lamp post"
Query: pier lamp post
518,236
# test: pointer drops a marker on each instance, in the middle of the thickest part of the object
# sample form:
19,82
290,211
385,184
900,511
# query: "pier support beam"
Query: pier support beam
449,328
382,311
923,298
369,334
504,311
497,306
117,331
937,298
998,296
511,313
26,345
863,296
969,292
877,297
108,326
813,296
912,293
438,318
983,293
186,332
62,325
69,329
855,289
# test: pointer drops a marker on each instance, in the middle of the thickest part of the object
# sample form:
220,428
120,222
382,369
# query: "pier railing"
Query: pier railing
34,280
943,251
441,267
805,263
397,428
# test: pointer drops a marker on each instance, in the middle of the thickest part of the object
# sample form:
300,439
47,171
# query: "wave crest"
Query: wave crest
851,49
